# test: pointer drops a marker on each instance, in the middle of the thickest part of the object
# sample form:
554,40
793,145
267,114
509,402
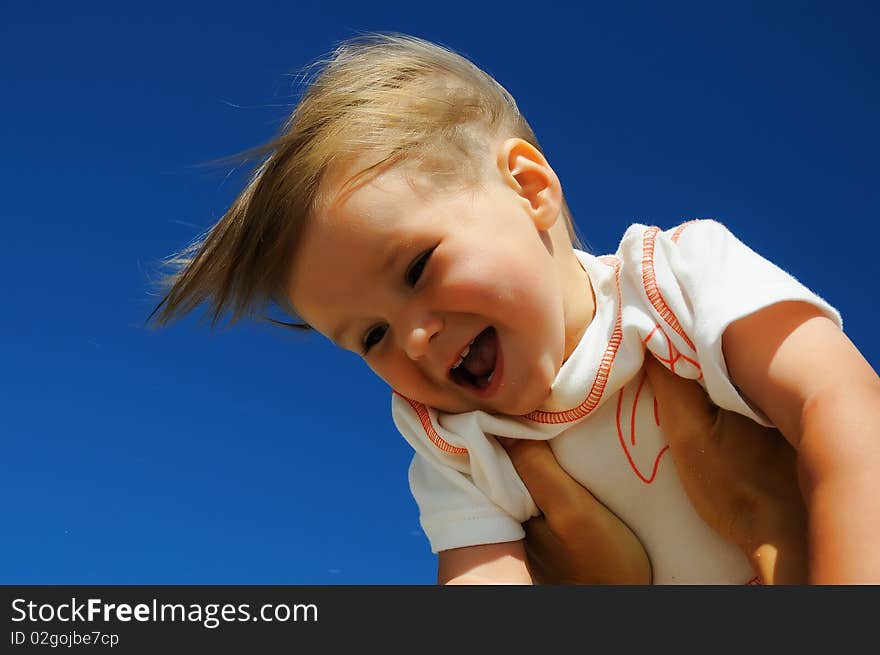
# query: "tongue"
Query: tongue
481,358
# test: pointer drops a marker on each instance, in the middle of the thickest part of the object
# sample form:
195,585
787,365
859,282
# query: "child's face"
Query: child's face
408,275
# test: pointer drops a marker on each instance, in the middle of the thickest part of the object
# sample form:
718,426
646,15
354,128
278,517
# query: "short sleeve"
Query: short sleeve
715,279
448,476
453,512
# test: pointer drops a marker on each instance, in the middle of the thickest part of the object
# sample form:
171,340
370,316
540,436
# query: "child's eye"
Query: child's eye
373,336
414,272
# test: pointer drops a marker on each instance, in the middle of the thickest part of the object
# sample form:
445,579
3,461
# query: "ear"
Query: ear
526,171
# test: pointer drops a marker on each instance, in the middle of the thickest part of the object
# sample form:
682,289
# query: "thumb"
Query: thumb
681,401
551,487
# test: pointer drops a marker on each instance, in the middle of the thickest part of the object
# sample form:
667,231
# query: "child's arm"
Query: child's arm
810,380
503,563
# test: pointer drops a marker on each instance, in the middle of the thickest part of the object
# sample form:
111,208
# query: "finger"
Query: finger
681,402
551,487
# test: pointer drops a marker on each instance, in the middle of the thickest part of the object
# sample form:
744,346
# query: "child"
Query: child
408,214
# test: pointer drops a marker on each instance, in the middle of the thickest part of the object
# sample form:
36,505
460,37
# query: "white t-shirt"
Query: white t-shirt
672,293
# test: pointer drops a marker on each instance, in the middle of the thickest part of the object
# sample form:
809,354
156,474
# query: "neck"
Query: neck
580,302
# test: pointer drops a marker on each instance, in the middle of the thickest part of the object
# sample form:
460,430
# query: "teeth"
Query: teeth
463,354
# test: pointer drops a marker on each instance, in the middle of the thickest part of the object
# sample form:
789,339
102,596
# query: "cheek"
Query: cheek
383,371
399,373
514,289
487,279
512,259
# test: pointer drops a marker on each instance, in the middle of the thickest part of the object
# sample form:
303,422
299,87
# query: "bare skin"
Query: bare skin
407,273
740,476
576,539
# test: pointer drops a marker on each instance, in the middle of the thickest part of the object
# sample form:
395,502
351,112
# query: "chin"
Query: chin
528,402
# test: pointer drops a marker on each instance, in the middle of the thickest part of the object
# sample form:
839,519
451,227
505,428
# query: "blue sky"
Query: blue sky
186,456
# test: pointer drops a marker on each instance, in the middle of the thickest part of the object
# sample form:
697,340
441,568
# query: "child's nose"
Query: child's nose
418,337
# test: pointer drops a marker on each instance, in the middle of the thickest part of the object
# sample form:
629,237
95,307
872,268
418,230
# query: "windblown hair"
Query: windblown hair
388,97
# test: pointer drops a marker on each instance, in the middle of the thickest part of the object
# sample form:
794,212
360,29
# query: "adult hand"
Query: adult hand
740,476
576,539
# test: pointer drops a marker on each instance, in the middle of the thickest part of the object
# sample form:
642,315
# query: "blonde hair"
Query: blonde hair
389,96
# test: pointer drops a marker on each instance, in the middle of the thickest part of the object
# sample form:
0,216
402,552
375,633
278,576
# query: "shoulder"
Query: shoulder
419,424
641,234
647,250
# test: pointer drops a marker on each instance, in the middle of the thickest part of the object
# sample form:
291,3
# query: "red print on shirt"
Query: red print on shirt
631,450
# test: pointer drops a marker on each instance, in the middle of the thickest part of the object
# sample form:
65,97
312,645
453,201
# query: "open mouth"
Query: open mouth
476,363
